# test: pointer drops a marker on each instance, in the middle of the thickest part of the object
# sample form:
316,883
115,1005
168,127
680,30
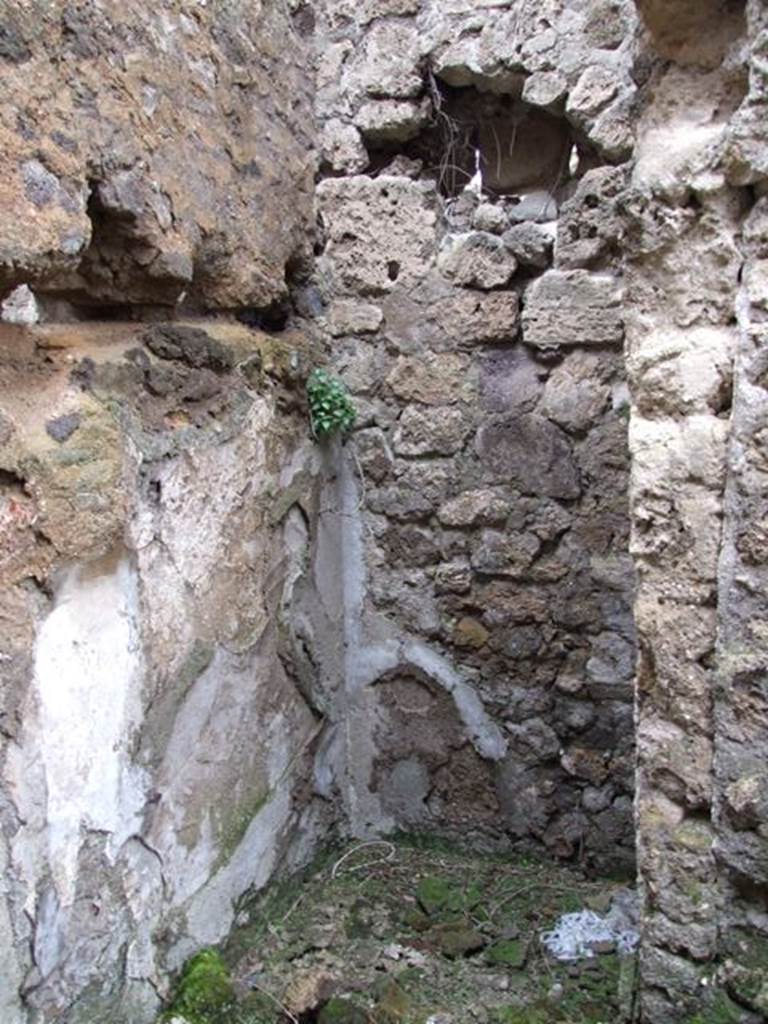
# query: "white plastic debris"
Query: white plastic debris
576,935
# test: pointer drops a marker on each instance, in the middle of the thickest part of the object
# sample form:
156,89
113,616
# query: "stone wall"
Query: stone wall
477,321
159,491
693,340
535,250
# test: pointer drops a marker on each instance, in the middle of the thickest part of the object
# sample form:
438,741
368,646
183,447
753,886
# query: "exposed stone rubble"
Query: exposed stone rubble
154,748
154,153
481,337
532,237
158,492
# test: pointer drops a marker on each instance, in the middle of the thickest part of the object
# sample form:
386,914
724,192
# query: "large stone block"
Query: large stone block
437,431
573,308
678,372
575,396
476,260
434,380
380,231
529,453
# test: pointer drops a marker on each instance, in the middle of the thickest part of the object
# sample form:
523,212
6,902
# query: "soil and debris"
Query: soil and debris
419,932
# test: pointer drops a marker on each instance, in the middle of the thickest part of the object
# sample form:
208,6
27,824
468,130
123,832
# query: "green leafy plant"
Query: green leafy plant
330,407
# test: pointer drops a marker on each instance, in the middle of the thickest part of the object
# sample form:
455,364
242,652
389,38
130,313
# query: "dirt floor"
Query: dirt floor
421,933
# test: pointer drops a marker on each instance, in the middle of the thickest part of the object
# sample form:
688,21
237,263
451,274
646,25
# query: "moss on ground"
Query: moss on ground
205,994
397,933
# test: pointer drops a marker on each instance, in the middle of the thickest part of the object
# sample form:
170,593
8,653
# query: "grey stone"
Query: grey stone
504,554
388,121
612,659
591,225
473,508
510,381
534,741
489,218
530,244
63,427
574,396
529,453
439,431
573,308
453,578
539,207
476,260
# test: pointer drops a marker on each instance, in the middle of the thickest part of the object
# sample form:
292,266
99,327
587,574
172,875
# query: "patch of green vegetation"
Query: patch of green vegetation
693,835
692,890
530,1014
439,896
746,969
596,994
330,407
570,902
722,1011
204,994
366,900
342,1011
506,952
456,938
267,911
394,1005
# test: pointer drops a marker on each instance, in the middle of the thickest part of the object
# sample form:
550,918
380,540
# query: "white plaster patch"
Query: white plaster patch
87,677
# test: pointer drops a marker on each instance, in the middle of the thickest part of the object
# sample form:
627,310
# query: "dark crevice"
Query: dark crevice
521,148
10,481
271,319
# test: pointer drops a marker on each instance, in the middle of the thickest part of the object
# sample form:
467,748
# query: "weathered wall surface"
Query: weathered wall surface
158,491
694,339
155,746
482,337
154,153
538,227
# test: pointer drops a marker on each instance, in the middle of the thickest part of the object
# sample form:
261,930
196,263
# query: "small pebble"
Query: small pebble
607,946
555,994
414,958
63,427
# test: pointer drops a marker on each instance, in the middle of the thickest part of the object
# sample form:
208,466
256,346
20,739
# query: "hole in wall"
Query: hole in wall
520,148
271,319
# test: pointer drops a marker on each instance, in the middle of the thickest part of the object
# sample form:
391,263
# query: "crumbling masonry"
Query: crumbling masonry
523,604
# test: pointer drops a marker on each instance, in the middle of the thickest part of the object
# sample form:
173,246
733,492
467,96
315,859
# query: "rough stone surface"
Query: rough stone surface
477,260
492,521
167,131
148,548
694,410
572,308
436,624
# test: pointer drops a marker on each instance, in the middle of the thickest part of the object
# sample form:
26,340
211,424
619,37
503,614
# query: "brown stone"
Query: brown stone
470,633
